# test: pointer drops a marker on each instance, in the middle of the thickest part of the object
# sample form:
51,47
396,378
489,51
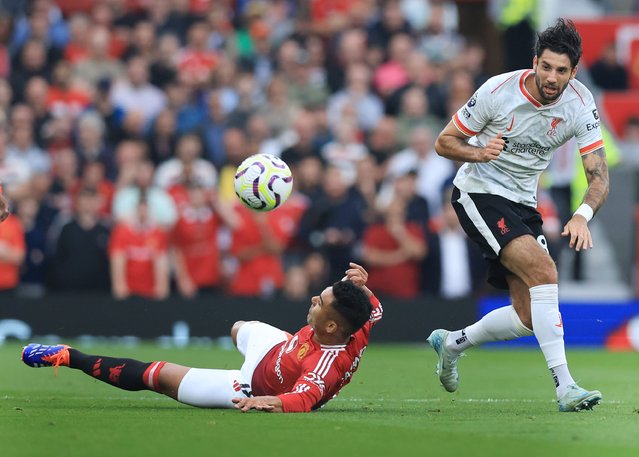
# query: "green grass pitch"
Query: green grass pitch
393,407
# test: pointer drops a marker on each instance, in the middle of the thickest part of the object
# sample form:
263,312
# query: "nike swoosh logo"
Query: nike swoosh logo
512,122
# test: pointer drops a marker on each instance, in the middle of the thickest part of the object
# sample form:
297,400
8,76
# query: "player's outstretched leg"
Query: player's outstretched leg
127,374
499,325
205,388
577,399
446,360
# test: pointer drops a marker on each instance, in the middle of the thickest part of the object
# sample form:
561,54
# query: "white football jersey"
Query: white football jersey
532,132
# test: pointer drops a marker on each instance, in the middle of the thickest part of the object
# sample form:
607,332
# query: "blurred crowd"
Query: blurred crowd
122,123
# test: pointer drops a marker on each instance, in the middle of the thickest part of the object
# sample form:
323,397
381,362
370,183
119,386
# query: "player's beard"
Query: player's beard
546,97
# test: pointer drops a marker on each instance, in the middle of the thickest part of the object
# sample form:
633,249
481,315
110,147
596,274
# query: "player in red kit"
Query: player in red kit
281,372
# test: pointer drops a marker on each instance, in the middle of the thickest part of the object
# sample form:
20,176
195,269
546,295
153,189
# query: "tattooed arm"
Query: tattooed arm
596,168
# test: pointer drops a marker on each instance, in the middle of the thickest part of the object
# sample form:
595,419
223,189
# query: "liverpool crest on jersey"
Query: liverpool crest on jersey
553,126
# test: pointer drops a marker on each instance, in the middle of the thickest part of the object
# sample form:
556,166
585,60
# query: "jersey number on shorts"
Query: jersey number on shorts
541,239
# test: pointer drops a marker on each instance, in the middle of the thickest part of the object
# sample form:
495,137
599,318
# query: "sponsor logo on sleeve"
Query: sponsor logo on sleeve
593,125
466,113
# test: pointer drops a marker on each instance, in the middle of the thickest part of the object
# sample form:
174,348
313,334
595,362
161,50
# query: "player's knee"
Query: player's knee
548,273
234,329
542,271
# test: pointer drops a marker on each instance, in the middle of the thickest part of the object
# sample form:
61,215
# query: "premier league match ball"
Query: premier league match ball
263,182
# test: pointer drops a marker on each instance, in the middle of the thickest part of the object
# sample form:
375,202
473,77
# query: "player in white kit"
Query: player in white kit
515,121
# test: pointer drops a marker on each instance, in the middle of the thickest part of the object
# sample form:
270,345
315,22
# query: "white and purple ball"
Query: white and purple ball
263,182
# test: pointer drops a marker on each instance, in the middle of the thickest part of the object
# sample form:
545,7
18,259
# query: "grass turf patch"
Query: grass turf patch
393,407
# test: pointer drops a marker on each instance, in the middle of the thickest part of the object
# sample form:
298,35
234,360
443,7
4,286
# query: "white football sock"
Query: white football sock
561,376
500,324
549,330
457,341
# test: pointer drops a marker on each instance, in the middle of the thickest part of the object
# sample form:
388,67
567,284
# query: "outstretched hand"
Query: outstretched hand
579,233
356,274
267,404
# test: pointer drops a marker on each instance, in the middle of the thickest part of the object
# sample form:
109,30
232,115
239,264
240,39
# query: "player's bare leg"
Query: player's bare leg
170,378
520,299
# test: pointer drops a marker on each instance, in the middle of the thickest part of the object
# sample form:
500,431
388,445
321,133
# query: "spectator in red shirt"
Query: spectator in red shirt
12,251
258,243
65,99
79,28
328,17
138,253
196,62
196,251
393,249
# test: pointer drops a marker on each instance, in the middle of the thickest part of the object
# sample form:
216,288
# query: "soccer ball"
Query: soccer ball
263,182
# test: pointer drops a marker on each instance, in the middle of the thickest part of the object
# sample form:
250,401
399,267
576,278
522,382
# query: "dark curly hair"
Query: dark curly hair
561,38
352,304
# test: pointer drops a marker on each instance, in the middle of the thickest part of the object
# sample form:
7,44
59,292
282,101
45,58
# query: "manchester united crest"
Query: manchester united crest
303,350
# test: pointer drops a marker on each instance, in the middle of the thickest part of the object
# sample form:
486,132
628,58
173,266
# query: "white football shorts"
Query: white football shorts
211,388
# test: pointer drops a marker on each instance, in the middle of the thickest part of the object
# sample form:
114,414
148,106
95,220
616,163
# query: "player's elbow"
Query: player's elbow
440,146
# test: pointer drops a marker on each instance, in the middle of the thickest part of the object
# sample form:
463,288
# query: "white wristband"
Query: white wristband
586,211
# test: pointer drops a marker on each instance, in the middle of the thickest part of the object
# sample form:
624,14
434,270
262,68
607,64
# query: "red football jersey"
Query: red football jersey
11,237
305,374
401,280
263,271
195,235
140,247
